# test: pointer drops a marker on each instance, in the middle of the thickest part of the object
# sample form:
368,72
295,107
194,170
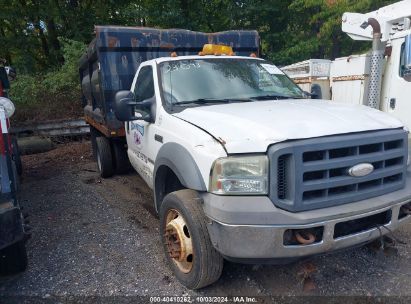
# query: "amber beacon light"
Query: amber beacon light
214,49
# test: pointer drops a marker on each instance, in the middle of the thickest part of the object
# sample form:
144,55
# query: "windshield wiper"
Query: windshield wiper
211,100
272,96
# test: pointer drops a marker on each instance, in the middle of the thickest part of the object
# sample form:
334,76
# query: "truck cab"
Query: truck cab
243,167
397,80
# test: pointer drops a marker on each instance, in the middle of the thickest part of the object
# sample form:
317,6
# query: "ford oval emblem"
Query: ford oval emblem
361,170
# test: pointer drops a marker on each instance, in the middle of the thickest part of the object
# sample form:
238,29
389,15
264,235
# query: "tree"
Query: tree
291,30
314,29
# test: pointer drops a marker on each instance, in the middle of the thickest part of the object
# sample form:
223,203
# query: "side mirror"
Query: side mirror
316,91
11,73
125,107
407,59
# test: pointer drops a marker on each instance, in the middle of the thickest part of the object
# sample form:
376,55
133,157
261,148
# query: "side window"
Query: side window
402,60
144,88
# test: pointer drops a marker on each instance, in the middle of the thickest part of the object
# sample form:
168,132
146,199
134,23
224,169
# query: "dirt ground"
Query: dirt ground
99,237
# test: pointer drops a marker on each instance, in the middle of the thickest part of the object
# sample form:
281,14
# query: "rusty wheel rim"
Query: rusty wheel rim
178,241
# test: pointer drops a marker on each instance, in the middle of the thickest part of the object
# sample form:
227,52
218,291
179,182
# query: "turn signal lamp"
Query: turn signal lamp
214,49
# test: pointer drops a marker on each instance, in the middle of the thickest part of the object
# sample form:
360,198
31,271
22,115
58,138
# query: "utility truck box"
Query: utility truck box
311,76
114,56
349,79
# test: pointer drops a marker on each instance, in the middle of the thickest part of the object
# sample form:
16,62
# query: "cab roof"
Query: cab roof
164,59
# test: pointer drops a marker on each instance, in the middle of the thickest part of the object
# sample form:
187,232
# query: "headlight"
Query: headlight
240,175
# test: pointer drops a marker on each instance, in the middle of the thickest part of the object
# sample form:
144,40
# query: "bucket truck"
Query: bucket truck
381,78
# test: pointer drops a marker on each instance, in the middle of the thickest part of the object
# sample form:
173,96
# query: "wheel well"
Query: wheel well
166,181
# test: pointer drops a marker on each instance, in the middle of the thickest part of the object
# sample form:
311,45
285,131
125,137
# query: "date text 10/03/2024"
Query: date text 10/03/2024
188,299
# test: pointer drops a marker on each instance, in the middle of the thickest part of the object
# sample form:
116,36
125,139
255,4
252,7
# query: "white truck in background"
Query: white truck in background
381,78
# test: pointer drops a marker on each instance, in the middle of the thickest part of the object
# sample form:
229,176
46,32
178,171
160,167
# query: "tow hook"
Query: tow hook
304,237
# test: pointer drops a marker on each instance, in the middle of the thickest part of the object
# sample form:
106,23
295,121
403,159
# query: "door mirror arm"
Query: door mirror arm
144,105
146,109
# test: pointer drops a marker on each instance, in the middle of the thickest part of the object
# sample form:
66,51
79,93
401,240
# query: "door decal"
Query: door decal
138,133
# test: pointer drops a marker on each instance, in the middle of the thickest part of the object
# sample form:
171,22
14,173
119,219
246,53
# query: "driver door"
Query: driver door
140,132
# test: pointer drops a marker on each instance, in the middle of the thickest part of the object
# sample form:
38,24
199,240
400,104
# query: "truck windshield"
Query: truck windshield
200,81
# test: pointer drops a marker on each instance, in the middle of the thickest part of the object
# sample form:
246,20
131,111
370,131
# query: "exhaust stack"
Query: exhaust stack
377,61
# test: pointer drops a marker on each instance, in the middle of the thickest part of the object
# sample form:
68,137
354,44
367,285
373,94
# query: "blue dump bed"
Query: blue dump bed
115,54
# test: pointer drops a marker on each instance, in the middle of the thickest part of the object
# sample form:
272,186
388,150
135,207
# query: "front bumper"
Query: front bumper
267,241
253,228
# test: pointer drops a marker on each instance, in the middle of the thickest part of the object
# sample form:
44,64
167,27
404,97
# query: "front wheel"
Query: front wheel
187,245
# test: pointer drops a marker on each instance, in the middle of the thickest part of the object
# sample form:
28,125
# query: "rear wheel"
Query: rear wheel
104,157
94,134
121,160
13,259
187,245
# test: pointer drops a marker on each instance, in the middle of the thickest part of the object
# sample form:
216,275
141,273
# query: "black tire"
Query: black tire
94,134
104,157
121,161
16,156
207,261
13,259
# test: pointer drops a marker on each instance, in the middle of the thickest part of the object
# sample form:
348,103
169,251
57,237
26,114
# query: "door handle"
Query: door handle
393,102
158,138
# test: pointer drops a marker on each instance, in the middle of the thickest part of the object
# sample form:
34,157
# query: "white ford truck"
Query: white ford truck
244,168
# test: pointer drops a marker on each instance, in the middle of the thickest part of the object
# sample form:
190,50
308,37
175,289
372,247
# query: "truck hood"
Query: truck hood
253,126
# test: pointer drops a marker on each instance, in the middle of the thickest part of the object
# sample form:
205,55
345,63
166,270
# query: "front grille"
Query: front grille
282,176
313,173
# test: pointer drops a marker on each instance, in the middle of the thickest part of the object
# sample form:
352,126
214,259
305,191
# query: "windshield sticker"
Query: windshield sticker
182,65
272,69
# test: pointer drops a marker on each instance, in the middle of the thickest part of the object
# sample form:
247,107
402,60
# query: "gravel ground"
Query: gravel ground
99,237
